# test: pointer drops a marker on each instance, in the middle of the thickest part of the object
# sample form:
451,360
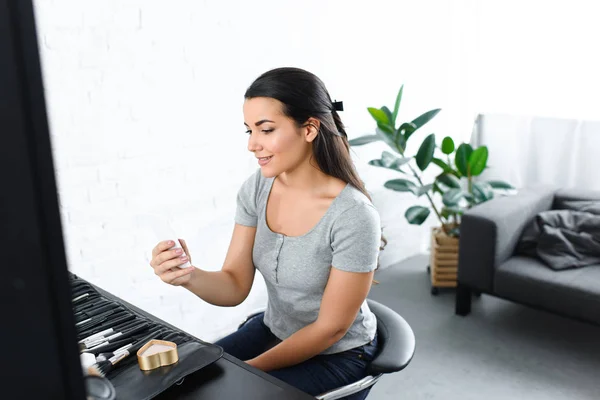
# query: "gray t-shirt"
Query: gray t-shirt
296,268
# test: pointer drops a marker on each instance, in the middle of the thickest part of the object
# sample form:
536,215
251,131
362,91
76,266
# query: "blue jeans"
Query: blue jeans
314,376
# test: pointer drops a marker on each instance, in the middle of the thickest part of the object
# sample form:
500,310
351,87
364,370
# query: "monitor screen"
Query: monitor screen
40,359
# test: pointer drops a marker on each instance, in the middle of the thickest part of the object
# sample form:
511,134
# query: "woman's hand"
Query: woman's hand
166,263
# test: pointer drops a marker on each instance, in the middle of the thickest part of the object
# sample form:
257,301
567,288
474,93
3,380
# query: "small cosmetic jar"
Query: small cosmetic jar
157,353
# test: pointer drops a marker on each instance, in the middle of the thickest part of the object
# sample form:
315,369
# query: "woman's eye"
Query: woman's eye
249,131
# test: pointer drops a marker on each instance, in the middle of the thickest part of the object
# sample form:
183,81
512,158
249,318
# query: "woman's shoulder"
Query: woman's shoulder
353,198
354,206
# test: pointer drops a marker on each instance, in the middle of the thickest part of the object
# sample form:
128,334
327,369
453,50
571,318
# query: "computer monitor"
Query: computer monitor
38,356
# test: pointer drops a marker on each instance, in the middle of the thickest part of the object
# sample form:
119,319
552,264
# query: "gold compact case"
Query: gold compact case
157,353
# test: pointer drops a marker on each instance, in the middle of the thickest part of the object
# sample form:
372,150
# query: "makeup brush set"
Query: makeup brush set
138,355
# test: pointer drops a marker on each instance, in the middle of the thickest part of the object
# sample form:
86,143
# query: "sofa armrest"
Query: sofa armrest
489,233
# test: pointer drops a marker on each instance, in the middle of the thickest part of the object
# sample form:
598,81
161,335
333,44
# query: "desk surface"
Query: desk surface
227,378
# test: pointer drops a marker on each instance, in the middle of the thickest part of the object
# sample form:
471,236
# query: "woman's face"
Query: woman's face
275,139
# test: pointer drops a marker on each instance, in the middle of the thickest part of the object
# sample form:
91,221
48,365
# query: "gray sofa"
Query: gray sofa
488,264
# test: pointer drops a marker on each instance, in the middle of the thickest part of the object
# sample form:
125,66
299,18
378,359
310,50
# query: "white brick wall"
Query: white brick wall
144,101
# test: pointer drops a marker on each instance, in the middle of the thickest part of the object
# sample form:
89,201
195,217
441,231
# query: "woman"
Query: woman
306,222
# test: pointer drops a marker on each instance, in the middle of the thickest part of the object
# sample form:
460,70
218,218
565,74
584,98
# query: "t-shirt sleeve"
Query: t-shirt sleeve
246,213
356,239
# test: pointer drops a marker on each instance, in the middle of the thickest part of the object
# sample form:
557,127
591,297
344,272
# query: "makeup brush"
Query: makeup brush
118,346
173,337
93,311
99,319
113,346
94,337
96,318
117,336
113,323
91,305
102,368
82,290
84,297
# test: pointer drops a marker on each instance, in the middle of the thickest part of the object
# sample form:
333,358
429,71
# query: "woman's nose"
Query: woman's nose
253,144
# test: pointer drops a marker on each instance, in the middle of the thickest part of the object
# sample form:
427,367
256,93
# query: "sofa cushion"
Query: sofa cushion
577,199
572,292
563,239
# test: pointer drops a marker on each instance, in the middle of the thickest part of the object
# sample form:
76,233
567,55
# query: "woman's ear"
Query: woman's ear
312,126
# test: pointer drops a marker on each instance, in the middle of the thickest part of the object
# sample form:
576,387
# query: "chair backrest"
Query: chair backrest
396,340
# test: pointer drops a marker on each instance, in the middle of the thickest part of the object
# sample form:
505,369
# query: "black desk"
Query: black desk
226,379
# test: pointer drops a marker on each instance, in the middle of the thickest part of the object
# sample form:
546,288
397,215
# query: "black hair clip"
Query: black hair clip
338,105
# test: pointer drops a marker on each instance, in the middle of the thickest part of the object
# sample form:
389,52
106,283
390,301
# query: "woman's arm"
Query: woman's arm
231,285
344,294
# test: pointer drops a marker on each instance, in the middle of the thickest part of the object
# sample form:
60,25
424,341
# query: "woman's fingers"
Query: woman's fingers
167,265
166,256
162,246
166,261
172,275
185,248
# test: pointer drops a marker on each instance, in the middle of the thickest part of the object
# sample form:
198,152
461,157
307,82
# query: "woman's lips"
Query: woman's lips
262,161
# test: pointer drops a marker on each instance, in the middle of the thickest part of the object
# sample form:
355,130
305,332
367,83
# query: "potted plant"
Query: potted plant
453,190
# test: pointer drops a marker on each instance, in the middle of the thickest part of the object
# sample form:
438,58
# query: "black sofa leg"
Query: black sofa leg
463,300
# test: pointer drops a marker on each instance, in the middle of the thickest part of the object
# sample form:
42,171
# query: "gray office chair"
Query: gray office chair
396,346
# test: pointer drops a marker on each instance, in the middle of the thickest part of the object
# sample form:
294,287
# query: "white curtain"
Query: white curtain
527,151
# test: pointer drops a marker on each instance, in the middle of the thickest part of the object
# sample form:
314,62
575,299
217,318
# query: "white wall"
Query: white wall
145,101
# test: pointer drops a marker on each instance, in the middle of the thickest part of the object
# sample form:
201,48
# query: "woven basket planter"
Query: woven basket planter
443,260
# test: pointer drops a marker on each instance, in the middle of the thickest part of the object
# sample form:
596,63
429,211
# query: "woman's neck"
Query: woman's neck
305,177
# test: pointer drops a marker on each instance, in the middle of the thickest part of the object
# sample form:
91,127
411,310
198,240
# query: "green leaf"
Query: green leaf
447,145
379,163
453,210
500,185
388,160
379,115
407,129
440,163
397,105
425,118
421,190
478,160
425,153
401,185
462,158
359,141
416,215
449,180
403,133
389,115
387,137
482,192
387,129
452,197
400,143
445,213
391,161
